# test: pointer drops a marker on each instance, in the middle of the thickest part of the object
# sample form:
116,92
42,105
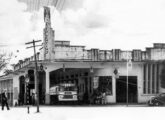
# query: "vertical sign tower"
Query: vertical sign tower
48,34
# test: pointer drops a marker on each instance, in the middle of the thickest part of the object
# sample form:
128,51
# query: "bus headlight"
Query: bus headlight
74,96
61,96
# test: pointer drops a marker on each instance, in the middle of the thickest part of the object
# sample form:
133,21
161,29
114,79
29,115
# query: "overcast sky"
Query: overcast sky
103,24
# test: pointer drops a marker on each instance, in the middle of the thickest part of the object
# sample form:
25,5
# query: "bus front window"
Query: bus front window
61,89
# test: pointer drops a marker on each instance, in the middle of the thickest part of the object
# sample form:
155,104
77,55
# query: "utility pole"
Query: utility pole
127,82
127,78
36,69
129,67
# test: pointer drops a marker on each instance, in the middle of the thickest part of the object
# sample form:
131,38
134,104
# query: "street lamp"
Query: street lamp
41,67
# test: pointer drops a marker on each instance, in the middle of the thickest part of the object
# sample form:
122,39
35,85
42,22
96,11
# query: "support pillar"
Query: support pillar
47,95
15,89
114,88
146,78
155,77
151,79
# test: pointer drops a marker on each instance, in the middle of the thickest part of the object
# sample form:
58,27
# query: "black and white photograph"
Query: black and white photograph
82,59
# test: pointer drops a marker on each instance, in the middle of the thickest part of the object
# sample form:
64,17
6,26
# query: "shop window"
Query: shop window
105,84
86,74
90,84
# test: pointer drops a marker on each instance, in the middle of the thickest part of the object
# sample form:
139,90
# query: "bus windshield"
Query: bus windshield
67,88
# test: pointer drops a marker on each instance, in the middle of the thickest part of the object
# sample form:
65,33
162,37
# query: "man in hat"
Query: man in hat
4,100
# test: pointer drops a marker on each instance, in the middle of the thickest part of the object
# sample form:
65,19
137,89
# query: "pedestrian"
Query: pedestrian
33,98
4,100
103,98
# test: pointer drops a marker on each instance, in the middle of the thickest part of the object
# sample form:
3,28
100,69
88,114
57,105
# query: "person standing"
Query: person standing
4,100
33,98
103,98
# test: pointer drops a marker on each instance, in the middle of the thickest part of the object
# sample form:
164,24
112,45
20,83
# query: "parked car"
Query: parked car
158,100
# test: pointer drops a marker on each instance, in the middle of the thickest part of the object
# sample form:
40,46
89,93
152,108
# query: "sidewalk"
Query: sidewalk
80,113
91,105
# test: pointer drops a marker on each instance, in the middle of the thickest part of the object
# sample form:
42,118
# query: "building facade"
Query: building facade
6,83
110,71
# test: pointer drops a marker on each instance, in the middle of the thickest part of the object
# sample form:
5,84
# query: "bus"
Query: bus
65,92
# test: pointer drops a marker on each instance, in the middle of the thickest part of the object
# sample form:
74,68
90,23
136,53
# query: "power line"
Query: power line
36,73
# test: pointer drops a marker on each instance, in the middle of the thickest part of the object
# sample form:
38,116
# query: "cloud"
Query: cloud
103,24
18,27
109,24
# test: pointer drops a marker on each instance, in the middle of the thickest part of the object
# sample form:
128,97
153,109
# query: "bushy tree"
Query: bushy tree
4,60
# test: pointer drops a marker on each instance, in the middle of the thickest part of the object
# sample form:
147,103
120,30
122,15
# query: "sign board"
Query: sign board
116,73
46,14
46,43
95,82
27,80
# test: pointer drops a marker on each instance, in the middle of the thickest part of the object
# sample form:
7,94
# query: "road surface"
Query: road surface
83,113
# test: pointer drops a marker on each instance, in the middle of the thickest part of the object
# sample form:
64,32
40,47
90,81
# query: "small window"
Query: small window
105,84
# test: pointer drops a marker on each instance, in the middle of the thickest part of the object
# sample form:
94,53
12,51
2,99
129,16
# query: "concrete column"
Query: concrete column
47,95
155,79
146,78
15,89
151,67
114,89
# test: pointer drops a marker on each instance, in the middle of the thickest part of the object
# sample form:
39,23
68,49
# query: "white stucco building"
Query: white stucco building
63,62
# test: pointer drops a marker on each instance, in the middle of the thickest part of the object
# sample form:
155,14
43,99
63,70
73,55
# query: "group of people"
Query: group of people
4,100
99,97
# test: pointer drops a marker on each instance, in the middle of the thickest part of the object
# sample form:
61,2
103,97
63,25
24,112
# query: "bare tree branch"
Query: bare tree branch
4,59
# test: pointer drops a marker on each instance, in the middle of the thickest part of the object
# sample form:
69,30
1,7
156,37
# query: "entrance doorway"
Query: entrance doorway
121,89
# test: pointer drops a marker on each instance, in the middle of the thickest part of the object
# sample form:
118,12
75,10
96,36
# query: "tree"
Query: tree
4,60
8,71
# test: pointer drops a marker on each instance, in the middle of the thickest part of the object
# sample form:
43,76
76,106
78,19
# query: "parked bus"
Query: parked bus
65,92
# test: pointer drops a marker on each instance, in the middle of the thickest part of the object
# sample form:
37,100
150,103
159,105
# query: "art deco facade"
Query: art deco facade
65,62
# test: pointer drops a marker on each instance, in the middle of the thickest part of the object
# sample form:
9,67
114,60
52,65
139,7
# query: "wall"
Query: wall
121,66
16,88
107,69
71,52
6,83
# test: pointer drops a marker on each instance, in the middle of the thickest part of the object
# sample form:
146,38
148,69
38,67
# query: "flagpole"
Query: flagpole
127,78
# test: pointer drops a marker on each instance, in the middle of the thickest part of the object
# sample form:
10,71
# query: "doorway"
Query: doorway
121,89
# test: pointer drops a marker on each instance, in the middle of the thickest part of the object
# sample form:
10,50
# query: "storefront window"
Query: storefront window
105,84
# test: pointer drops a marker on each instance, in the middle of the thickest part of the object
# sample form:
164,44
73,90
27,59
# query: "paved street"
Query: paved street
83,113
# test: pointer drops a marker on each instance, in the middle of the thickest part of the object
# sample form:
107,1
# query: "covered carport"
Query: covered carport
82,77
